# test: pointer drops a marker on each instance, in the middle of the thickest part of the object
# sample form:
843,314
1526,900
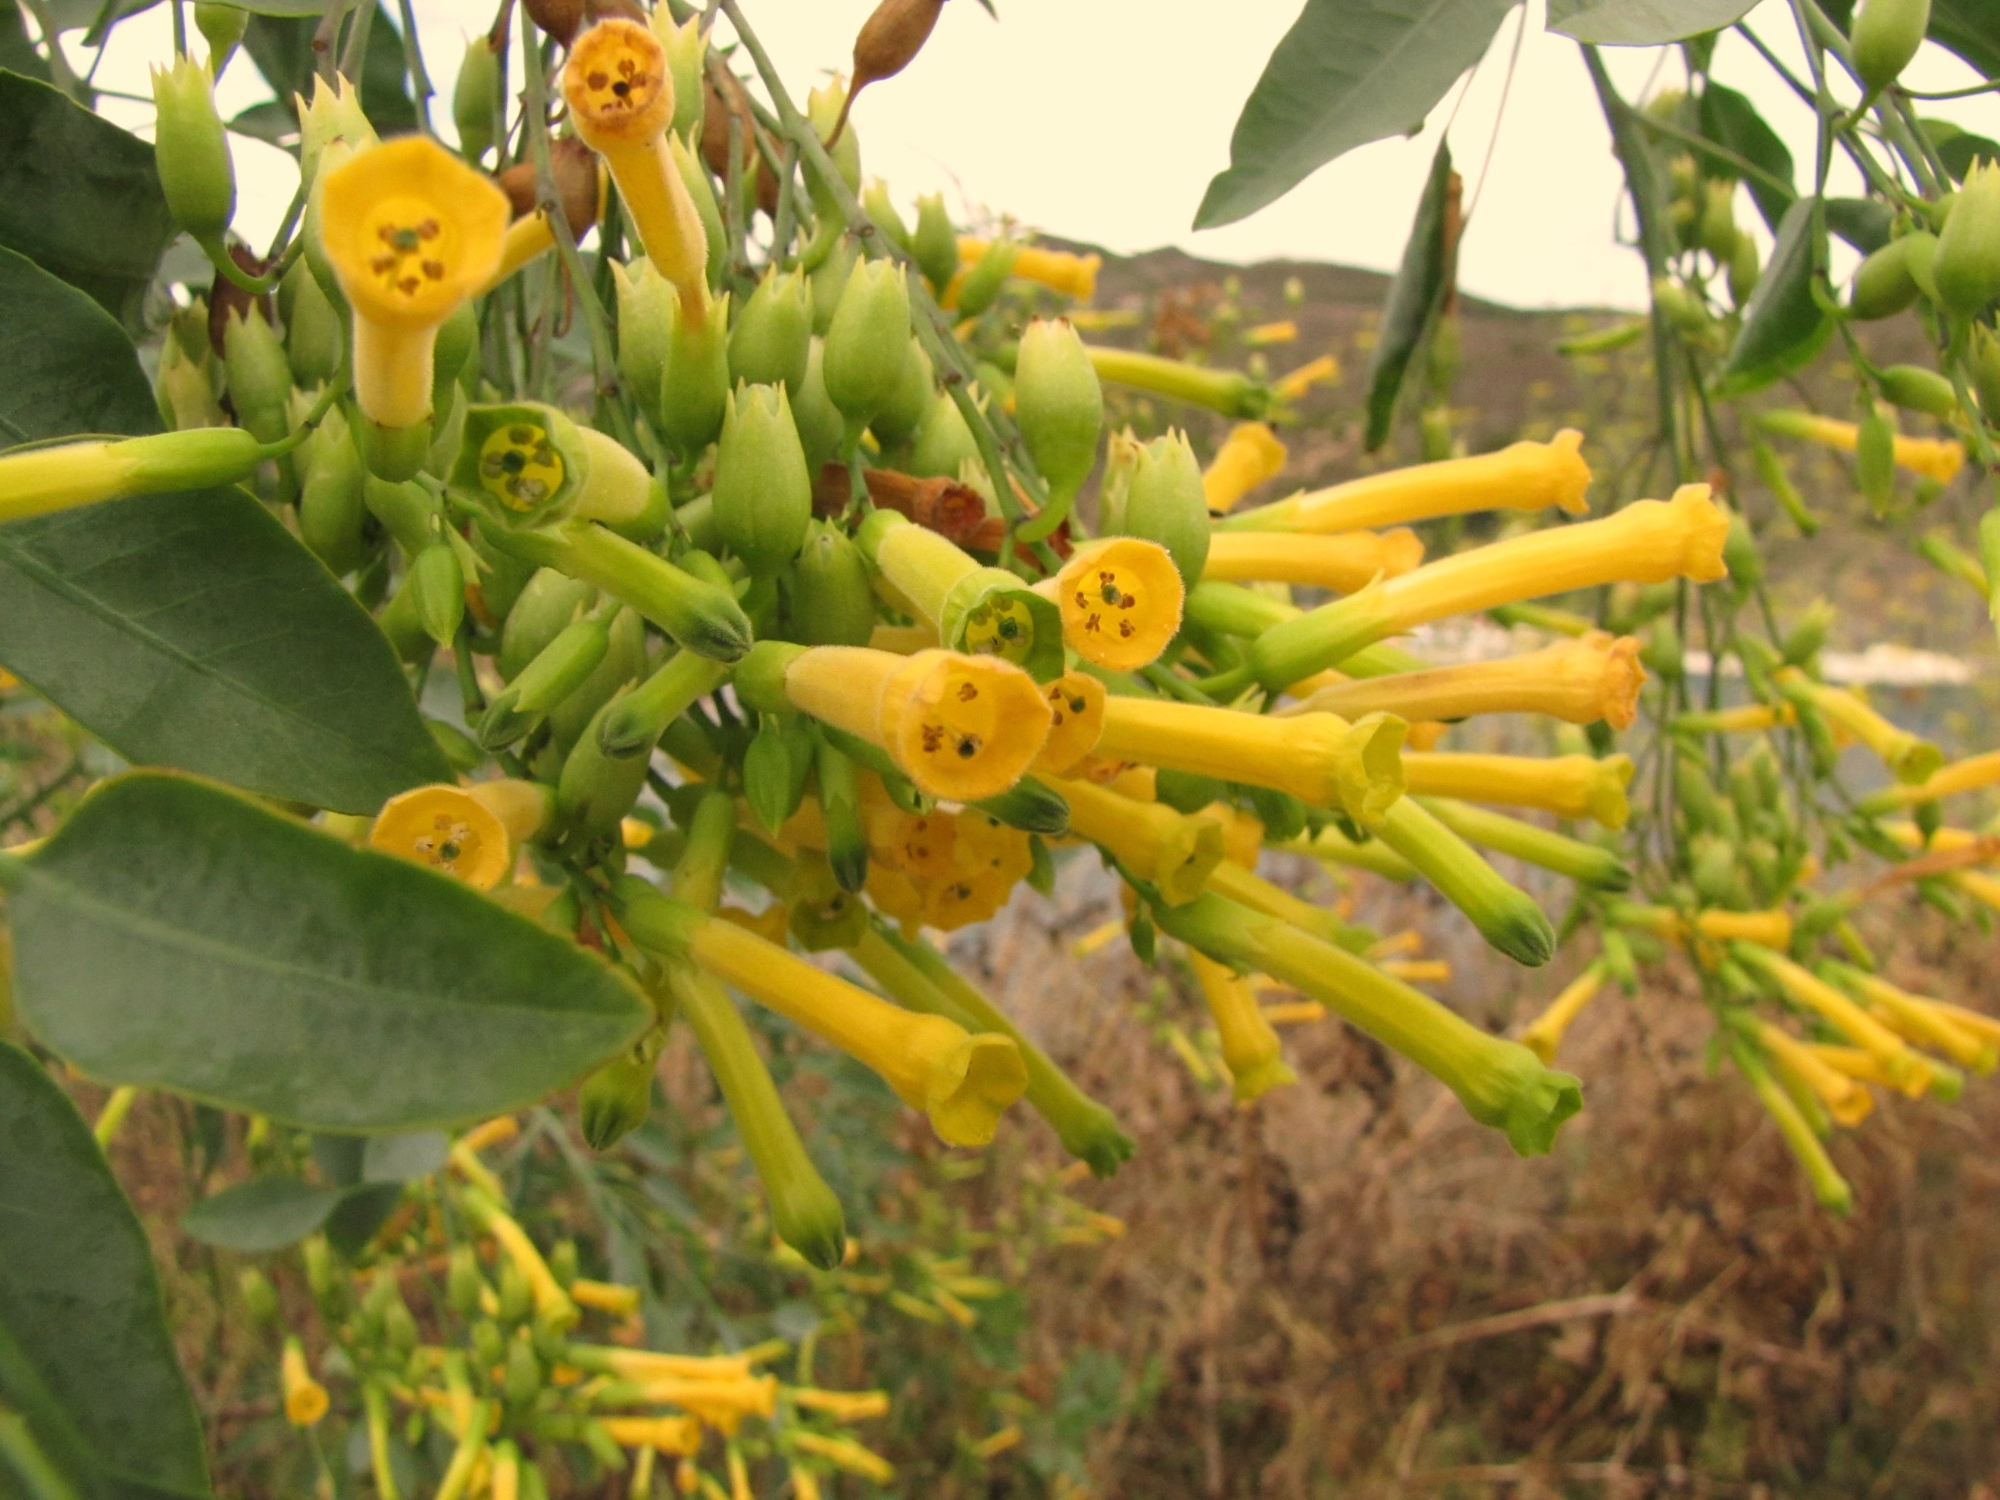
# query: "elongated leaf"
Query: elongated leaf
1412,297
1971,28
177,935
79,196
1642,23
1731,121
1865,223
1347,73
265,1213
1962,150
65,366
84,1349
1783,327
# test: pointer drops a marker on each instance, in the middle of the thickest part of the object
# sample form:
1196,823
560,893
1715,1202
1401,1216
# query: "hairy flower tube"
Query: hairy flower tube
1061,271
1932,458
1250,1047
1170,851
1120,599
962,1081
1230,392
1342,562
1076,721
1320,758
470,832
621,98
1587,864
38,481
1918,1020
306,1400
1251,455
1829,1187
1906,1069
1911,759
1524,476
1500,1083
1595,677
1545,1033
1649,541
984,611
1570,786
412,232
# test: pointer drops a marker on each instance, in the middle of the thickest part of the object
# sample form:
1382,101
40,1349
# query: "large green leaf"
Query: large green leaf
1731,121
1413,296
1971,28
174,934
265,1213
1783,327
281,46
1347,73
1642,23
17,52
79,196
84,1352
191,629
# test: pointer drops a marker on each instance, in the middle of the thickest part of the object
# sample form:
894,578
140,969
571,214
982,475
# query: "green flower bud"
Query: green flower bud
1716,230
562,667
1882,284
548,604
489,1344
762,490
457,342
324,1278
1885,37
314,330
935,242
623,664
1506,916
686,46
983,282
897,422
1920,260
331,508
259,1297
1983,367
823,109
826,600
1434,439
1875,459
944,441
881,210
1967,269
184,392
773,336
1744,270
829,279
596,790
820,426
1771,470
1031,806
633,725
334,115
477,98
840,809
192,153
694,380
521,1378
868,341
222,27
613,1102
1804,640
437,585
1914,388
1712,867
767,778
1740,555
563,1263
1059,404
1164,501
645,314
260,379
521,462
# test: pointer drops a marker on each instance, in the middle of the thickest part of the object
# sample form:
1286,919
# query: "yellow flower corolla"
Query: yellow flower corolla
1911,759
943,870
1263,335
621,100
1932,458
1767,929
1923,1021
1251,455
553,1305
1846,1101
1342,562
1295,383
1121,601
1076,719
904,640
842,1406
412,232
605,1297
1059,270
1320,758
678,1436
1580,681
1905,1069
960,727
1524,476
471,832
305,1398
844,1453
1545,1033
721,1404
37,481
1250,1048
1961,776
1170,851
642,1365
963,1081
1570,786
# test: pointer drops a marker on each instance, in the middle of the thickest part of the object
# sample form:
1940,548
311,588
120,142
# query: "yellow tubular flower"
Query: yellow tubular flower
621,98
1250,1048
552,1303
842,1406
1121,602
962,1081
680,1436
1283,331
1295,383
1767,929
1170,851
1525,476
527,237
1595,677
845,1453
412,232
1321,758
1076,719
1933,458
960,727
1342,562
305,1398
904,640
1961,776
1910,758
471,832
1924,1021
722,1404
1846,1101
1252,455
641,1365
1545,1033
1906,1070
1749,718
1058,270
605,1297
1570,786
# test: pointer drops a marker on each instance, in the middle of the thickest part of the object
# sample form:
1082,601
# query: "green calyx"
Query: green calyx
191,152
1506,916
990,612
868,341
825,597
762,492
773,334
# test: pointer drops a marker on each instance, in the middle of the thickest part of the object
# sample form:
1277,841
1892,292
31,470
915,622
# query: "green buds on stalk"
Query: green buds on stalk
1060,406
824,596
762,493
1771,470
314,330
222,27
1506,916
1883,285
437,588
1967,268
476,98
768,778
944,441
829,276
868,341
934,244
521,462
820,425
633,724
1875,459
331,508
983,282
1982,365
613,1102
558,671
1162,499
192,153
824,108
1885,37
773,336
694,378
899,419
545,607
645,312
686,46
1914,388
259,1297
596,790
260,379
881,211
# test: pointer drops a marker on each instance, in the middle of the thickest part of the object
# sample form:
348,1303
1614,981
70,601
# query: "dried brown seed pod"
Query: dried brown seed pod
558,18
574,166
226,297
887,42
715,136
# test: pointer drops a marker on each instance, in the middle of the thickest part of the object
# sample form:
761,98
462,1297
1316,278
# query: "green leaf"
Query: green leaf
1413,296
403,1158
1642,23
174,934
1865,223
1732,121
79,196
1971,28
84,1351
360,1213
1960,151
263,1214
281,46
191,629
17,52
273,123
1783,327
1347,73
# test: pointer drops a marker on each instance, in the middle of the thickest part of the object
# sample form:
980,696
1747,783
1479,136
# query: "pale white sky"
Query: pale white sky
1103,120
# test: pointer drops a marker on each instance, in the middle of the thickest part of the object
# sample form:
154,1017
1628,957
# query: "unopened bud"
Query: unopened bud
826,600
1875,459
463,1281
934,244
773,335
331,508
944,442
1883,285
222,27
820,425
881,211
1804,640
983,282
559,670
192,153
868,341
686,47
259,1297
260,379
476,98
905,410
645,318
829,278
1967,268
1164,500
826,110
1915,388
694,380
768,778
521,1378
1060,406
437,585
1885,37
762,493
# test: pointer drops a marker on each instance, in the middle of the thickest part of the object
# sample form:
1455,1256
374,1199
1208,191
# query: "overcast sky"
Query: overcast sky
1103,120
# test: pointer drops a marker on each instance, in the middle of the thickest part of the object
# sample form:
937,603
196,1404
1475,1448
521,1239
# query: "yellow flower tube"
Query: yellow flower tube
1906,1070
1911,759
471,832
412,232
1649,541
1846,1101
842,1406
1767,929
1933,458
1570,786
844,1453
1920,1020
1059,270
38,481
1525,476
1294,384
1748,718
722,1404
306,1400
1170,851
1121,601
552,1304
1545,1033
1250,456
621,99
1320,758
1828,1186
1961,776
676,1436
1343,561
1250,1048
1597,676
1076,719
